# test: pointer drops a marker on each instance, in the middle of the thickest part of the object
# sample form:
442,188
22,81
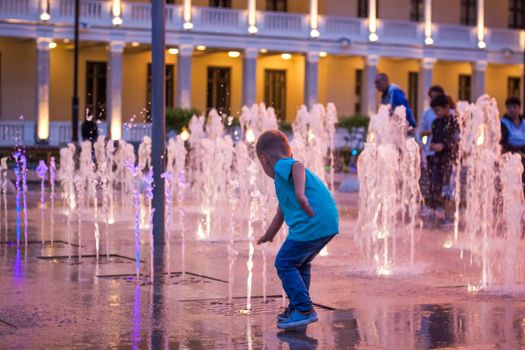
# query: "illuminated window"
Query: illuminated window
219,90
96,89
464,87
275,91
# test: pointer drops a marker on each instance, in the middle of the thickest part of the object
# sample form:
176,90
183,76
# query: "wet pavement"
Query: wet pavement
48,301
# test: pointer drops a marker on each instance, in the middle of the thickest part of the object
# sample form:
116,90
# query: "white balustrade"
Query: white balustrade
284,23
19,9
217,19
343,27
400,31
278,24
14,133
455,35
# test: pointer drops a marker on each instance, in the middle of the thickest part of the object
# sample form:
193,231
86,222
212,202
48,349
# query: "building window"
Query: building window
413,88
464,87
362,8
514,87
417,10
218,92
277,5
221,3
516,14
358,88
468,12
170,89
96,89
275,91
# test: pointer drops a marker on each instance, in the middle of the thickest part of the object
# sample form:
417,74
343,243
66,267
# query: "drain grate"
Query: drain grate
174,278
272,306
88,259
54,244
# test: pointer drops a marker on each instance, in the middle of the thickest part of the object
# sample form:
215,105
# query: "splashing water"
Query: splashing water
135,172
16,156
23,168
41,171
169,216
389,196
94,185
495,205
52,179
254,194
148,181
80,188
3,178
232,253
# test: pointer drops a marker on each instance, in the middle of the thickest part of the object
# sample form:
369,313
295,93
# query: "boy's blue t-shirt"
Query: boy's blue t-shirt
302,227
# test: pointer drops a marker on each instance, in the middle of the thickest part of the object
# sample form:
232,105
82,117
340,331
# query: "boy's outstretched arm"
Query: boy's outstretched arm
274,227
299,181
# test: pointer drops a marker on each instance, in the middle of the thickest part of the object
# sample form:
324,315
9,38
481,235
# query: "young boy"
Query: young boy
445,134
312,218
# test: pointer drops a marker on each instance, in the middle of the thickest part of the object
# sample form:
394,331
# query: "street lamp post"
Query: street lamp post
158,115
74,117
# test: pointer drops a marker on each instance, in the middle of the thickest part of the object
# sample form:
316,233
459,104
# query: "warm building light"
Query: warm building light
314,33
44,7
200,47
263,50
66,41
372,21
252,17
480,27
314,19
173,51
286,56
52,45
186,14
428,23
135,44
116,11
185,134
44,16
116,21
234,54
323,54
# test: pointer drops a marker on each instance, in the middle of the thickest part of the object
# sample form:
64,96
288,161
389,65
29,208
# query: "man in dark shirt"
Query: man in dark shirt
393,95
445,134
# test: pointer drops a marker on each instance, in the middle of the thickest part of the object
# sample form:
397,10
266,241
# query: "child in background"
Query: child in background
445,134
311,215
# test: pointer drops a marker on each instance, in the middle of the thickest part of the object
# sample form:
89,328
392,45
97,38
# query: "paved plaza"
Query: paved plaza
48,301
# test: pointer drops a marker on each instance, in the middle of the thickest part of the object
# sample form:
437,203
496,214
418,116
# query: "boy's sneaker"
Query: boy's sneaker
284,315
297,319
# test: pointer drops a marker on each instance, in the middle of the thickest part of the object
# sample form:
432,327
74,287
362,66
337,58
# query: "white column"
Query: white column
314,19
311,78
183,89
372,20
425,82
42,88
478,79
368,93
114,89
249,73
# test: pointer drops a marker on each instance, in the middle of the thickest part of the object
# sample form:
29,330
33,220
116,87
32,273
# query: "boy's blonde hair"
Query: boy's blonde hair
273,143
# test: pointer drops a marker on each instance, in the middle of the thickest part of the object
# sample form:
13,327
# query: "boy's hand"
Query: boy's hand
437,147
264,239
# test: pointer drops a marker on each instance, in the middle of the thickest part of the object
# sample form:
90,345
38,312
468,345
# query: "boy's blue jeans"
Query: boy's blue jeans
293,264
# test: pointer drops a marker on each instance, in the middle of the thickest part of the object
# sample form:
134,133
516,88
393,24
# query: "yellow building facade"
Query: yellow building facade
226,54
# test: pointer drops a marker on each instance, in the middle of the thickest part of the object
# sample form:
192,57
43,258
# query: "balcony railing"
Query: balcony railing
274,24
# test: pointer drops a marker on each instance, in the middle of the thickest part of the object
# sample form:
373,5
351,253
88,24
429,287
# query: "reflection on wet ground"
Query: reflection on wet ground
57,303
